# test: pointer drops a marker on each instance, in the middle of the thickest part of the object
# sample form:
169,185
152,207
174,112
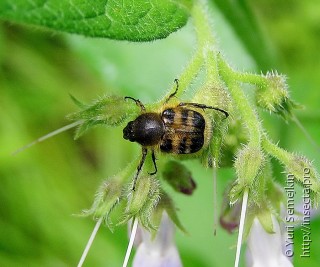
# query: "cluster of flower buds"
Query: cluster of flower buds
272,95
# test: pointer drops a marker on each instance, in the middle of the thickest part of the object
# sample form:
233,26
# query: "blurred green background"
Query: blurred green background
43,187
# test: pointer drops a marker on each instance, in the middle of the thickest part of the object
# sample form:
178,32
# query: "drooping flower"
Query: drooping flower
265,249
159,251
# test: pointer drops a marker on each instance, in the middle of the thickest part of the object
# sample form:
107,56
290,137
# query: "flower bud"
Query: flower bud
248,164
179,177
109,110
232,141
138,197
166,204
214,94
230,214
142,201
107,198
305,173
273,96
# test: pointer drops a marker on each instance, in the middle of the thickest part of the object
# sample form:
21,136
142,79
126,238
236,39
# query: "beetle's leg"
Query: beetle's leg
196,105
154,163
138,103
175,91
144,154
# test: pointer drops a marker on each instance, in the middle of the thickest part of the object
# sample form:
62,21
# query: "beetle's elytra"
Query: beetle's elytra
178,130
184,131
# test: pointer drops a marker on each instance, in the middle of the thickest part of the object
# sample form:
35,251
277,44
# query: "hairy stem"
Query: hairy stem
246,111
204,51
272,149
250,78
189,73
202,25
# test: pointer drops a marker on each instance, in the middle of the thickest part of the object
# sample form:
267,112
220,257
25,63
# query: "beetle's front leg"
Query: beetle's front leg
144,154
154,163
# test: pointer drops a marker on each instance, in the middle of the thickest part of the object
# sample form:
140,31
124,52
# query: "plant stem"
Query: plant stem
212,66
247,112
189,73
241,226
250,78
272,149
206,40
202,25
49,135
204,51
215,193
306,134
132,237
90,241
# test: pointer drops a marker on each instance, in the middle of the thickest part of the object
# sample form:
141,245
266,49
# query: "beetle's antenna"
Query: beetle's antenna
47,136
196,105
138,103
175,91
144,154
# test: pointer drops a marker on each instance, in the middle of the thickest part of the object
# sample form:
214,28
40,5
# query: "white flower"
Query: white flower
160,251
265,249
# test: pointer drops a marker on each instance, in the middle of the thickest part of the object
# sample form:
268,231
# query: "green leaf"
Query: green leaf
140,20
266,221
77,102
109,110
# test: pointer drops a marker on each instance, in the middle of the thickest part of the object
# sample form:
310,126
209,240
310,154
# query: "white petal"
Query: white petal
152,258
265,250
160,251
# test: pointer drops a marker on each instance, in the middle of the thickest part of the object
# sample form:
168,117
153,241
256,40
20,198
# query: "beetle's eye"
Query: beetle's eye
128,131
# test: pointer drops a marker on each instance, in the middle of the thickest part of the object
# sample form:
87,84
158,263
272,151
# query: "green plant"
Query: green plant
221,87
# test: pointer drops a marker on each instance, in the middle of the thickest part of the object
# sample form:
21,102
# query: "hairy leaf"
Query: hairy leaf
108,110
139,20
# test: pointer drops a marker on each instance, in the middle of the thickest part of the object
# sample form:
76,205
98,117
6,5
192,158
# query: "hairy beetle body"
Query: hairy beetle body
178,129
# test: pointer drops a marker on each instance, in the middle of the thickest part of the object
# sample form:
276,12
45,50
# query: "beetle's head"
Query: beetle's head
128,132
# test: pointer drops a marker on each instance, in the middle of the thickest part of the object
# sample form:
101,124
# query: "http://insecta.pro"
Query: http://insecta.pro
176,129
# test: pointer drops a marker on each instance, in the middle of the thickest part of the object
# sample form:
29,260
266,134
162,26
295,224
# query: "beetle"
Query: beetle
178,129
